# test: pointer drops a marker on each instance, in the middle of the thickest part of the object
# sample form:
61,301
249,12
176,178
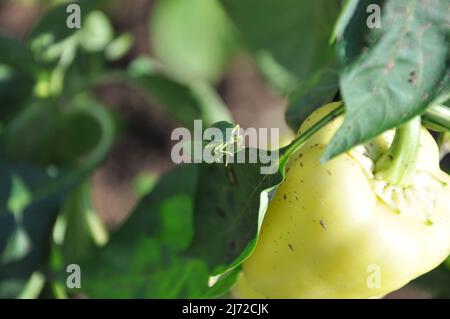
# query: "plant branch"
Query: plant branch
437,118
398,164
301,139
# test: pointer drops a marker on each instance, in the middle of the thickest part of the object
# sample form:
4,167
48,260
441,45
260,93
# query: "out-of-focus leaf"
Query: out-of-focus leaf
176,98
29,135
51,29
18,246
33,287
16,54
312,94
79,134
278,77
28,208
19,243
97,32
143,259
83,73
16,76
193,38
47,134
54,45
143,184
183,102
24,241
83,231
294,32
47,189
391,74
20,196
213,108
107,130
119,47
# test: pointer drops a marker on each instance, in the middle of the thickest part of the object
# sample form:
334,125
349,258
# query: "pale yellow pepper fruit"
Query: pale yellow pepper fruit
337,231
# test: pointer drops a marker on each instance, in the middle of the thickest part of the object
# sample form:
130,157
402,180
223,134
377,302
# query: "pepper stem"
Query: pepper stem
399,163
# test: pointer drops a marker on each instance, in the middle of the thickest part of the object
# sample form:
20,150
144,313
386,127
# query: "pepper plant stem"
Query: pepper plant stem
399,163
437,118
302,138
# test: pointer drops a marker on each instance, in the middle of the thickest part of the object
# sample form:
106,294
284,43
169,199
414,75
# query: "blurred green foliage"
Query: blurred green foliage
195,225
194,39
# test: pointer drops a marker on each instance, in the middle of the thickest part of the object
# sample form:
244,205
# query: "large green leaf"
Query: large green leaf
229,211
229,206
393,73
294,32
